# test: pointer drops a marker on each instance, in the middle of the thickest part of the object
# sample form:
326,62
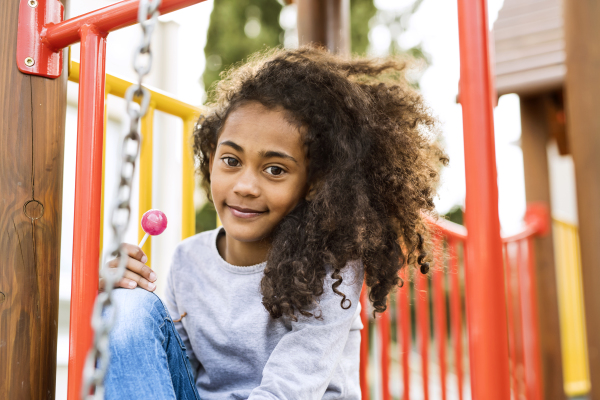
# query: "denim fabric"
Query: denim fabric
148,359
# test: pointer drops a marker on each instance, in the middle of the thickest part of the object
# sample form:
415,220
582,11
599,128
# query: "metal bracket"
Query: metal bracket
34,57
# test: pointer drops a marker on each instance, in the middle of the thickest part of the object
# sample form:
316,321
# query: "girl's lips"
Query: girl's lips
244,212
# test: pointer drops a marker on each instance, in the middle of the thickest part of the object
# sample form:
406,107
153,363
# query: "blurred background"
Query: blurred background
193,46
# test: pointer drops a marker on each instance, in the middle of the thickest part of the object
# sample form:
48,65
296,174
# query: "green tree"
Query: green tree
361,12
237,29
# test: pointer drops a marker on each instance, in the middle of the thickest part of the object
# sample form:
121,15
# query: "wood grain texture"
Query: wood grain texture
583,129
534,139
32,118
326,23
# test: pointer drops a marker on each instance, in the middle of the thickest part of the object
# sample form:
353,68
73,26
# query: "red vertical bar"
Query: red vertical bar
529,315
383,323
485,297
514,254
510,318
364,343
403,334
439,311
422,296
88,190
456,316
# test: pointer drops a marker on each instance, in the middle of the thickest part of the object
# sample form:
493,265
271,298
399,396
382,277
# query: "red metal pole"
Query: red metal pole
510,319
403,334
383,323
422,296
486,305
106,19
439,311
88,190
529,315
364,344
456,316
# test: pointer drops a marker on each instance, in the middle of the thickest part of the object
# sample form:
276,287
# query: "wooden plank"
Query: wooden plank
534,139
533,81
527,63
519,49
528,29
582,88
32,115
326,23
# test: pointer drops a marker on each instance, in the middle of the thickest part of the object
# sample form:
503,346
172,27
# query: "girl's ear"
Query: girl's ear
310,193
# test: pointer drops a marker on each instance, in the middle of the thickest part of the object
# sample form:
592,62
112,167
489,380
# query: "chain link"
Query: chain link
98,357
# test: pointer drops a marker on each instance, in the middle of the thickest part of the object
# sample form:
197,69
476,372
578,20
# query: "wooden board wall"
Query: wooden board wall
32,126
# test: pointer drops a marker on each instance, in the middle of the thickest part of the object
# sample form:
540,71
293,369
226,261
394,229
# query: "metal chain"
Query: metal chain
98,357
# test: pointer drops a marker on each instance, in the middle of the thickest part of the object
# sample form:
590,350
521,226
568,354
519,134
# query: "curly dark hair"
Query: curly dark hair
374,160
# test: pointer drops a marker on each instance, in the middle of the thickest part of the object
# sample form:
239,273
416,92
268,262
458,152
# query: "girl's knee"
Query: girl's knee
137,312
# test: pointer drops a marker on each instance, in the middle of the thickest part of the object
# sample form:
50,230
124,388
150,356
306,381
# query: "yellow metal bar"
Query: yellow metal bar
571,311
145,194
188,184
163,101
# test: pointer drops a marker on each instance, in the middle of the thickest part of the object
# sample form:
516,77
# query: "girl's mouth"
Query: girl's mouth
244,212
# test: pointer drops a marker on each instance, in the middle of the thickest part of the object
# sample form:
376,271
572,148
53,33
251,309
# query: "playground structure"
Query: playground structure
500,348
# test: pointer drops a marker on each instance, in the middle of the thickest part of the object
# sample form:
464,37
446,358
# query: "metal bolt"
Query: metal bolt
29,61
32,3
2,297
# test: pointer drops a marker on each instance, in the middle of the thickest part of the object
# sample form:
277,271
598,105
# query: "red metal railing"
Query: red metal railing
443,362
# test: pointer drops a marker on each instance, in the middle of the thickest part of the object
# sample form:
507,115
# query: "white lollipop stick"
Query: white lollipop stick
143,240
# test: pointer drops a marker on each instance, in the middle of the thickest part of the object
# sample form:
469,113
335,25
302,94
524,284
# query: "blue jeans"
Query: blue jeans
148,359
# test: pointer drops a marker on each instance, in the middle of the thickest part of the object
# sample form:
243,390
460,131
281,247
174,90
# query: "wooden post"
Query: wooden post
534,139
32,127
583,119
325,22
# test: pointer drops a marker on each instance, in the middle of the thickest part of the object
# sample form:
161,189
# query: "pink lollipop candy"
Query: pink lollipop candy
154,222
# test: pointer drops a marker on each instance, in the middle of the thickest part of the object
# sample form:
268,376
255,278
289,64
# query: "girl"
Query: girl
320,169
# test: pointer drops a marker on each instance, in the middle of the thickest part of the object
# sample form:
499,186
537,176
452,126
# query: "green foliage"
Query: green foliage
206,218
455,215
361,12
233,33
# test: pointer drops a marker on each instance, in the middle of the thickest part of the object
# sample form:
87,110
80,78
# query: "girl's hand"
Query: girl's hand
136,274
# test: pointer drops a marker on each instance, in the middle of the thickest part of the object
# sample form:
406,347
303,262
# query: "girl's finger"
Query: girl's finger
127,283
140,269
140,281
135,252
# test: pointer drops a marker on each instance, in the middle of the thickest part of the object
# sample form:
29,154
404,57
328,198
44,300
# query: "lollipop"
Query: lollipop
154,222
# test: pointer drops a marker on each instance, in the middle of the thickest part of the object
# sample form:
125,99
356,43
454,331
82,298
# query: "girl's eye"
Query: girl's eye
275,171
230,161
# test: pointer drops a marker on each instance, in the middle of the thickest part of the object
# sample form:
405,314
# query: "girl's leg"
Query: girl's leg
147,357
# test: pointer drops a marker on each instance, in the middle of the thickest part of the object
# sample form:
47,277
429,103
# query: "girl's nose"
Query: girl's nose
247,184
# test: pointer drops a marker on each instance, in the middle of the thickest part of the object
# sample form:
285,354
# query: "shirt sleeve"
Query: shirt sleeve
305,359
170,302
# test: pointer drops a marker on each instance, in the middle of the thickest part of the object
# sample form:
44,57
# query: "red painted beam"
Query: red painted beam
107,19
486,307
88,190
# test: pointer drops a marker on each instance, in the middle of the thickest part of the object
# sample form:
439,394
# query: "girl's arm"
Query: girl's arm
170,301
305,359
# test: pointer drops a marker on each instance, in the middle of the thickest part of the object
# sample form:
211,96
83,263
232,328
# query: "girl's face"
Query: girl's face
258,172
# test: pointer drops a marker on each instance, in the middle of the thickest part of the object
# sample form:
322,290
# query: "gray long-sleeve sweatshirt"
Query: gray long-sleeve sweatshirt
239,352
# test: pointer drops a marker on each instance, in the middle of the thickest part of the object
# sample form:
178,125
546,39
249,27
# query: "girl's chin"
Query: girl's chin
244,233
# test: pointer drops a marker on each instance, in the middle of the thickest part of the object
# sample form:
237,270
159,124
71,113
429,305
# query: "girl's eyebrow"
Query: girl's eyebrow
278,154
235,146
